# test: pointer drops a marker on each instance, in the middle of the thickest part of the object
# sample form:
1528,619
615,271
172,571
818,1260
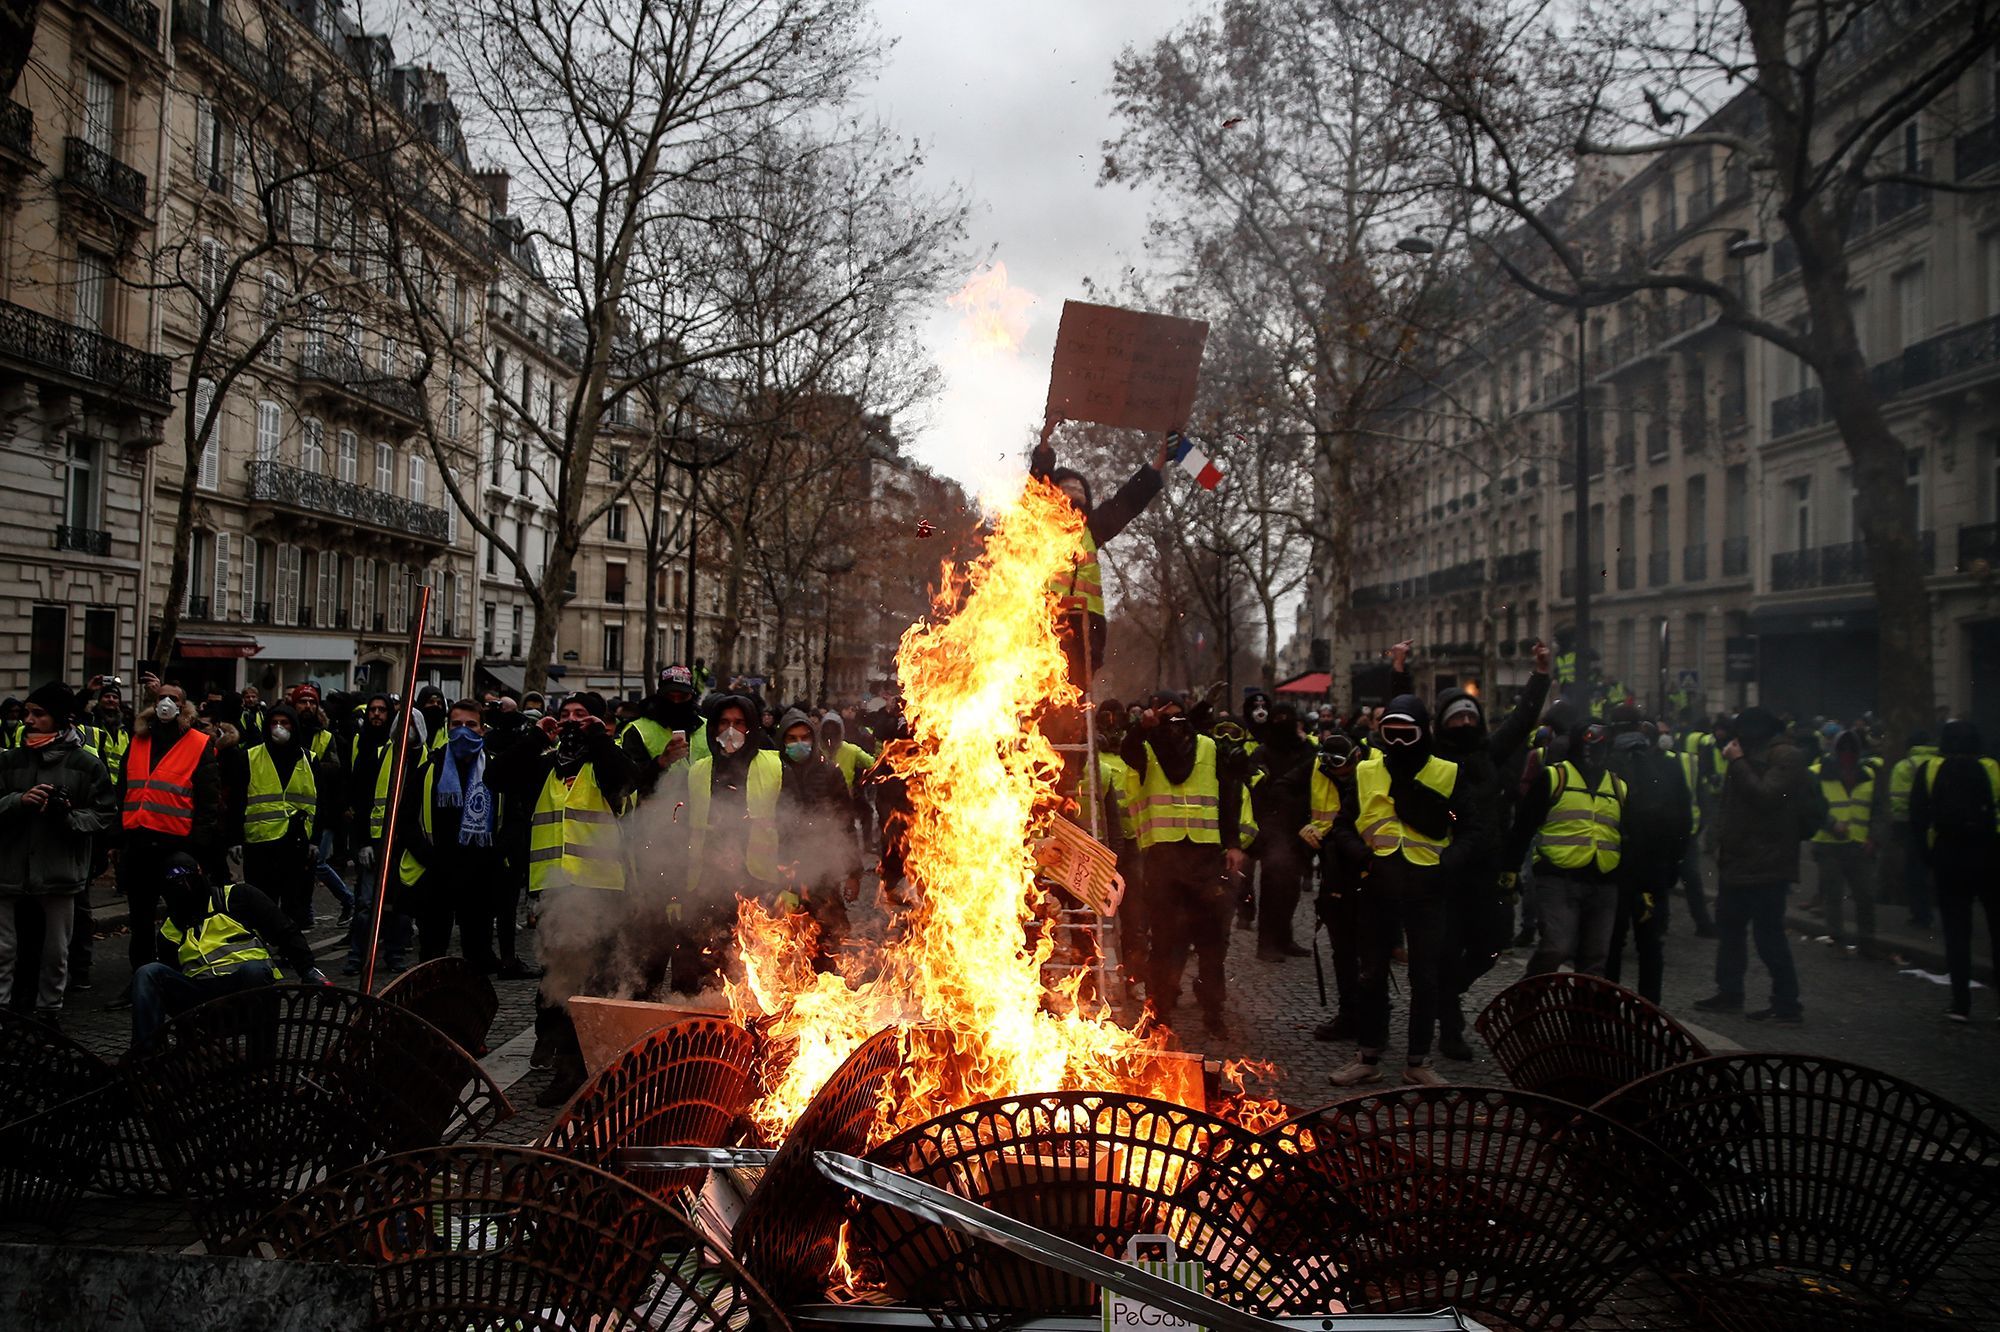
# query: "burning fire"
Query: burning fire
993,316
983,781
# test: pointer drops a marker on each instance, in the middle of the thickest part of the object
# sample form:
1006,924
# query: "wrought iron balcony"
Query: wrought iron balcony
1976,150
1659,563
134,16
1694,564
329,365
17,130
88,540
1521,567
1799,411
1838,565
1735,556
322,495
1976,542
98,173
36,339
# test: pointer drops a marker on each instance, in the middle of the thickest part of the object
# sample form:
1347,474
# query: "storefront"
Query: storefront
1817,660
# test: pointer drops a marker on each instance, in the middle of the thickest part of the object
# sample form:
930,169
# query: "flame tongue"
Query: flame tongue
980,774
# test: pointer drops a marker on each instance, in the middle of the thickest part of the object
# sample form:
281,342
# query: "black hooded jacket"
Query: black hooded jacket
1108,519
1459,816
1282,800
1960,788
1482,758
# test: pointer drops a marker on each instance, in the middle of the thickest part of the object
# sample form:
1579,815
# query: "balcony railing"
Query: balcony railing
1799,411
1628,572
98,173
17,129
1976,150
195,608
1694,563
1735,556
135,16
88,540
1978,541
26,335
1458,577
1521,567
1920,365
1837,565
1659,564
332,366
317,493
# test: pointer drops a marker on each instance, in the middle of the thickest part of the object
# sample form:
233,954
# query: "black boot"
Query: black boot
1451,1033
1339,1028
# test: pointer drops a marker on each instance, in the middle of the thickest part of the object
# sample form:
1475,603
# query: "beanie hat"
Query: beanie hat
56,699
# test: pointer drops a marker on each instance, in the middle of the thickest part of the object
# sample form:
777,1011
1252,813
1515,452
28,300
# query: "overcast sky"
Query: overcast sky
1009,99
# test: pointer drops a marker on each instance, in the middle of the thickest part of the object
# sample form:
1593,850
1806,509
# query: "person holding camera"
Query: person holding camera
56,799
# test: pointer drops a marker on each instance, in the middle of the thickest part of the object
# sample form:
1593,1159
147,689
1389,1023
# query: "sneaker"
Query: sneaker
1422,1075
543,1054
124,999
77,983
1451,1045
1953,1015
1340,1027
1355,1074
515,969
1720,1003
1777,1019
346,916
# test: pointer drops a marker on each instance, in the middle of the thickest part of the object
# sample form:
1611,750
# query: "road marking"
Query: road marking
509,1064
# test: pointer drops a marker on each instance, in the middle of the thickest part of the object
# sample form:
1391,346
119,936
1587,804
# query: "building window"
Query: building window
312,449
614,523
328,588
274,319
270,429
364,593
519,640
1913,486
614,583
619,461
614,647
419,478
492,546
80,483
100,110
253,573
93,290
208,468
219,598
200,567
211,276
385,468
100,640
1912,306
489,619
48,644
291,567
1798,495
348,457
451,406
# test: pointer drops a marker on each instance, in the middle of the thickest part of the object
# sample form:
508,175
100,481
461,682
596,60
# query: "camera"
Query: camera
58,804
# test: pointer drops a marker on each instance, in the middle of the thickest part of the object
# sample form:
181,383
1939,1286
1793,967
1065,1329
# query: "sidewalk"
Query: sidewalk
1896,940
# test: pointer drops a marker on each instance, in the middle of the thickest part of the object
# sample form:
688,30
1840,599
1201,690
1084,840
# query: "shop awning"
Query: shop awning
1315,683
227,646
508,677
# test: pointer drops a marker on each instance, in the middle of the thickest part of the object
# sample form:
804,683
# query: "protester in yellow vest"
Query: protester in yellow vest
1337,906
733,839
1955,817
649,740
449,853
1845,851
110,735
1906,877
1193,824
1571,817
273,793
216,940
1410,830
1079,589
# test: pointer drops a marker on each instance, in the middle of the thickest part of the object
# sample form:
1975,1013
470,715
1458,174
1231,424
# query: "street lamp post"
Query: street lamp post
1582,630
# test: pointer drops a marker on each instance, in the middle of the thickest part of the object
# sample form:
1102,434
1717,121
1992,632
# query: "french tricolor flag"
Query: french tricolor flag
1195,462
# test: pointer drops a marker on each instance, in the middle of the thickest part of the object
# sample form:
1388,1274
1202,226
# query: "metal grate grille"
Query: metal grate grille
1579,1038
255,1096
450,995
487,1236
685,1085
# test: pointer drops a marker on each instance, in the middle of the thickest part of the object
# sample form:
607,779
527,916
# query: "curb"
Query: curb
1887,949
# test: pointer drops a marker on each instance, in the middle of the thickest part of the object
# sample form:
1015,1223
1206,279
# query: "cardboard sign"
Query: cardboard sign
1125,368
1085,866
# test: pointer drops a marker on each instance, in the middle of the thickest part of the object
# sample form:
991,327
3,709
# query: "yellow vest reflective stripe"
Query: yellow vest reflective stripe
269,806
1082,584
760,810
1903,776
1565,667
321,742
573,836
1582,824
1190,812
222,945
1931,766
1849,807
109,746
851,759
1375,813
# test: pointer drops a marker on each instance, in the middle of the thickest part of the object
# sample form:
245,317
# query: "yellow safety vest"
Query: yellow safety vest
270,806
1582,824
321,742
1375,816
1931,766
1691,774
574,831
1192,811
760,810
1849,807
1325,801
851,759
1565,667
408,867
109,745
1903,776
222,945
1083,584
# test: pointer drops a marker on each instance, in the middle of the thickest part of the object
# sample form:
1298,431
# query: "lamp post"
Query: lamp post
1582,630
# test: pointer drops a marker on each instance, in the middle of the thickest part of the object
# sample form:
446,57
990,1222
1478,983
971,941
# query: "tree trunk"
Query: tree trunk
548,610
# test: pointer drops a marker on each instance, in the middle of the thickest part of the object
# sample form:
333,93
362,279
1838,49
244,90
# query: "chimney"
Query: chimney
495,184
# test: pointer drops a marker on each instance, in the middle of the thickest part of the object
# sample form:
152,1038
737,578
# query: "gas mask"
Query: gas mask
1259,714
167,710
729,739
281,735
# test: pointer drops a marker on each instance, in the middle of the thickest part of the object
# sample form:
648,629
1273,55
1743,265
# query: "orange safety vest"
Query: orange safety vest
160,798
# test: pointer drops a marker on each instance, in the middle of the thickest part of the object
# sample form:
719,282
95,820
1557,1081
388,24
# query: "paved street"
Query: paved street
1857,1008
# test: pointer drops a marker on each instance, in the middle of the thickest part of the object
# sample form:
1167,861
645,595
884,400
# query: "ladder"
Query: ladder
1079,930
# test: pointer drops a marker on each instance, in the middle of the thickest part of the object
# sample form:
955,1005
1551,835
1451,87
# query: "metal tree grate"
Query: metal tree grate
1520,1209
789,1233
256,1096
450,995
1817,1165
1579,1038
683,1085
49,1144
482,1236
1095,1168
1795,1304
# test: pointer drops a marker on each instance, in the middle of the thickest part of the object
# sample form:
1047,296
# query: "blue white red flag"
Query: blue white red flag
1195,462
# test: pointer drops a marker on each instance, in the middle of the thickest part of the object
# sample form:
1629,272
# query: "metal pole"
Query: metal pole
402,760
1584,672
694,530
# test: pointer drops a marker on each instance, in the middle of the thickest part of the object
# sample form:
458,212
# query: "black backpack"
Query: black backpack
1961,799
1654,820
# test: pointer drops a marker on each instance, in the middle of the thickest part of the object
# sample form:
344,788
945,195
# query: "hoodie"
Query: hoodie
1757,844
1951,807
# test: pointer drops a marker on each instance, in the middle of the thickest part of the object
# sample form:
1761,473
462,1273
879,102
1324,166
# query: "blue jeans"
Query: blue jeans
1758,910
323,871
396,926
159,992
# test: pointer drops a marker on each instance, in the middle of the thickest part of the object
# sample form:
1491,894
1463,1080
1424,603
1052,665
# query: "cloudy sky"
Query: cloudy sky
1009,99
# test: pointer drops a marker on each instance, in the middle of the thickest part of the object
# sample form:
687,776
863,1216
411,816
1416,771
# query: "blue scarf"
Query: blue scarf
475,823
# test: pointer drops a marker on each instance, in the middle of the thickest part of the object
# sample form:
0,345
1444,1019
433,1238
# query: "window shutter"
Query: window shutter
219,609
244,608
204,140
208,471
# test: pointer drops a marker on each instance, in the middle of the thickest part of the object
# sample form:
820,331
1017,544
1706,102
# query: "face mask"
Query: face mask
798,750
729,739
1259,716
281,734
465,737
167,710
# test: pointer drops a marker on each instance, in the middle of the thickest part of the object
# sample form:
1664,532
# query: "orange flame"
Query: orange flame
968,969
993,315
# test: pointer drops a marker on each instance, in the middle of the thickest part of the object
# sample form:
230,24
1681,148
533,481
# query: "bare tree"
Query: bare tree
651,144
1831,107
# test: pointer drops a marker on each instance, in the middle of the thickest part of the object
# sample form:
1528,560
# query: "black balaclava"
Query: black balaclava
572,743
1281,732
1062,474
1173,741
1455,742
1406,759
431,707
184,889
